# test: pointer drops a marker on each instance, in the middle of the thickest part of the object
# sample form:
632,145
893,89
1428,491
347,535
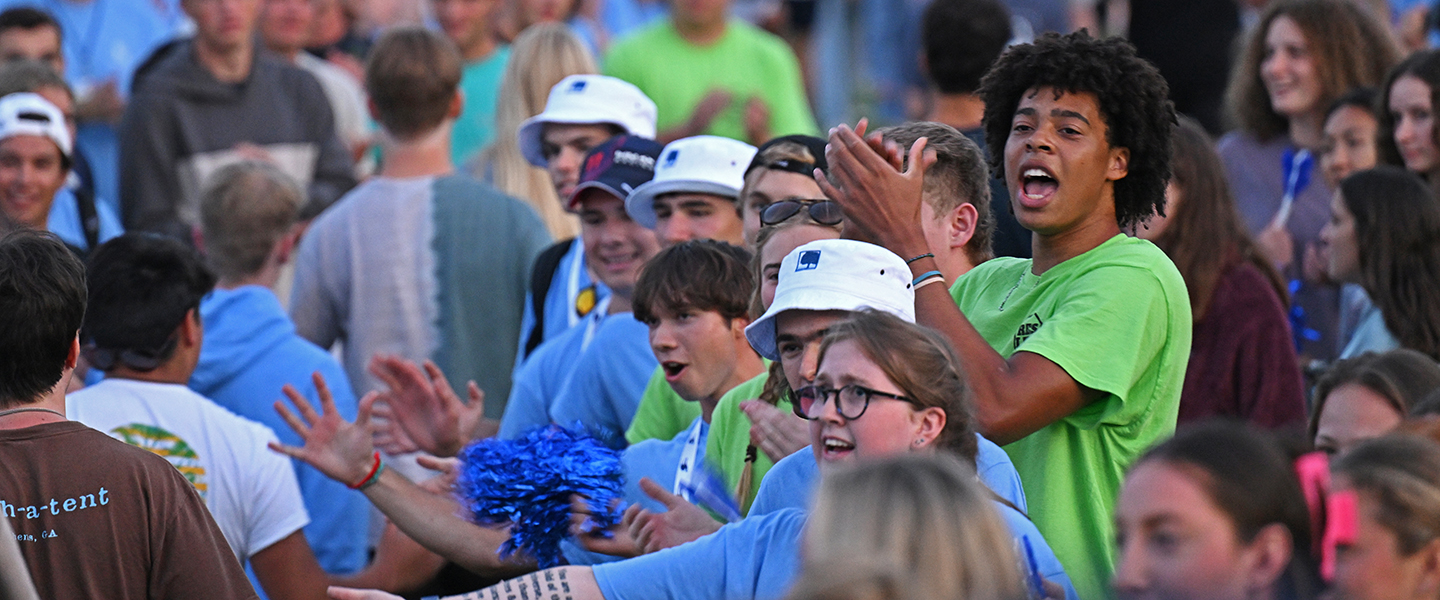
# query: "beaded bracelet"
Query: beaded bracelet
371,477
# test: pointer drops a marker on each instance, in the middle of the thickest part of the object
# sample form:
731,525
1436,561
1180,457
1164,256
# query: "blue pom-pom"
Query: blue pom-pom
527,483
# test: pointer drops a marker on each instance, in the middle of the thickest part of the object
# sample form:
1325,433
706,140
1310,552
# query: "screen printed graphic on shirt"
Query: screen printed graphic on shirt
167,446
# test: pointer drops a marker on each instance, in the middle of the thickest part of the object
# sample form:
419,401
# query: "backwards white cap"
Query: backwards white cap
704,164
835,275
25,113
586,99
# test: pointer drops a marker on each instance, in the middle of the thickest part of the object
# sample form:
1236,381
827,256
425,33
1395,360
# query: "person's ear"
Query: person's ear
737,327
191,330
929,423
964,221
457,104
1119,164
374,112
1269,555
285,246
1429,584
72,358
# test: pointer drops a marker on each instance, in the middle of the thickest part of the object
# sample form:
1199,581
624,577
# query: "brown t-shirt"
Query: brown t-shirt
96,518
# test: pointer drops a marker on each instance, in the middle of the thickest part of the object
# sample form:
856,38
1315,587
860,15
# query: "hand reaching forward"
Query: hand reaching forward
427,409
777,433
881,202
681,522
615,541
342,450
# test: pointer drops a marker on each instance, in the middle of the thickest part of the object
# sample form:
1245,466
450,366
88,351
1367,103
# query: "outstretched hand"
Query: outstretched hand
882,202
681,522
427,409
342,450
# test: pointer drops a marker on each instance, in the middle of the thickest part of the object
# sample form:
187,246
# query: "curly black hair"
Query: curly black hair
1132,96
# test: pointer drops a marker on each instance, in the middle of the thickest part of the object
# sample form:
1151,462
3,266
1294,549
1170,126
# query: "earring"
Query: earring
920,442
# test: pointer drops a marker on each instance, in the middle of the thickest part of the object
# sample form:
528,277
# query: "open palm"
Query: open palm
342,450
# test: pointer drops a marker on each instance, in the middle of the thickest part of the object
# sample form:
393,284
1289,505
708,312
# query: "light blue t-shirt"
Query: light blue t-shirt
538,381
758,557
64,220
605,388
791,481
570,278
660,460
480,82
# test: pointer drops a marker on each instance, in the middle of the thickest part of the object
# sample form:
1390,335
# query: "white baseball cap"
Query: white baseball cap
835,275
703,164
586,99
25,113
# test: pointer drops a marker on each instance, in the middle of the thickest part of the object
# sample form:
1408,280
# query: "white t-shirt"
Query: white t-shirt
250,491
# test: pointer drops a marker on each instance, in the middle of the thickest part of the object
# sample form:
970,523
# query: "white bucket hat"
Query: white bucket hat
703,164
25,113
835,275
586,99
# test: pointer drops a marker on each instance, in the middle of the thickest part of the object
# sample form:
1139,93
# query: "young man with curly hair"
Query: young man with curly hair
1078,355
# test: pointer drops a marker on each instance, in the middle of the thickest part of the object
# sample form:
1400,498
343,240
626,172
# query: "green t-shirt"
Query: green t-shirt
1117,320
745,61
662,413
730,435
480,82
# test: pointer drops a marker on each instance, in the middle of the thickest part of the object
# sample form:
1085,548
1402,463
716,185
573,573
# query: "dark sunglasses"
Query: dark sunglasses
850,401
824,212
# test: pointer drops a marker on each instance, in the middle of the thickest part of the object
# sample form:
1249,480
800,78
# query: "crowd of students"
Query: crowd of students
1051,341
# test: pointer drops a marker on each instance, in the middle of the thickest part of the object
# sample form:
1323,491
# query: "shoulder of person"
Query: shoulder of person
463,185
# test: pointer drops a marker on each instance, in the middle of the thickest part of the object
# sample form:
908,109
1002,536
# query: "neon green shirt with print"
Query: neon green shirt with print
662,413
745,61
1117,320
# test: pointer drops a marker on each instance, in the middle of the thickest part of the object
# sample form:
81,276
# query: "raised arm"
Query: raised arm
344,452
1014,397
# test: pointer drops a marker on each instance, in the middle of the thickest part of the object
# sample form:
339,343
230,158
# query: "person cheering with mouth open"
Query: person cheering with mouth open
1077,357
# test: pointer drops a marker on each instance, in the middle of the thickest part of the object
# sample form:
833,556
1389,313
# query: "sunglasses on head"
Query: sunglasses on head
822,211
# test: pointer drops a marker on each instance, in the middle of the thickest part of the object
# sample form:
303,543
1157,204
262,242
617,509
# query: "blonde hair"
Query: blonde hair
924,518
540,57
245,208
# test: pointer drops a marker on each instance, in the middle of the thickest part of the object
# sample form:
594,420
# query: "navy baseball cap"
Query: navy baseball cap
618,166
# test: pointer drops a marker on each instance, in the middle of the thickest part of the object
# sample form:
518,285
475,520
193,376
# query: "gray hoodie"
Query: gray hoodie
182,124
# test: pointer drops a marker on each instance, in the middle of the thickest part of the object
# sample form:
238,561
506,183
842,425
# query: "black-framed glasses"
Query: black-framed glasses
850,401
822,211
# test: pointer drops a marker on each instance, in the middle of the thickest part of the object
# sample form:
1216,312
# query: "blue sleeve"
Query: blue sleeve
996,471
755,558
1049,566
